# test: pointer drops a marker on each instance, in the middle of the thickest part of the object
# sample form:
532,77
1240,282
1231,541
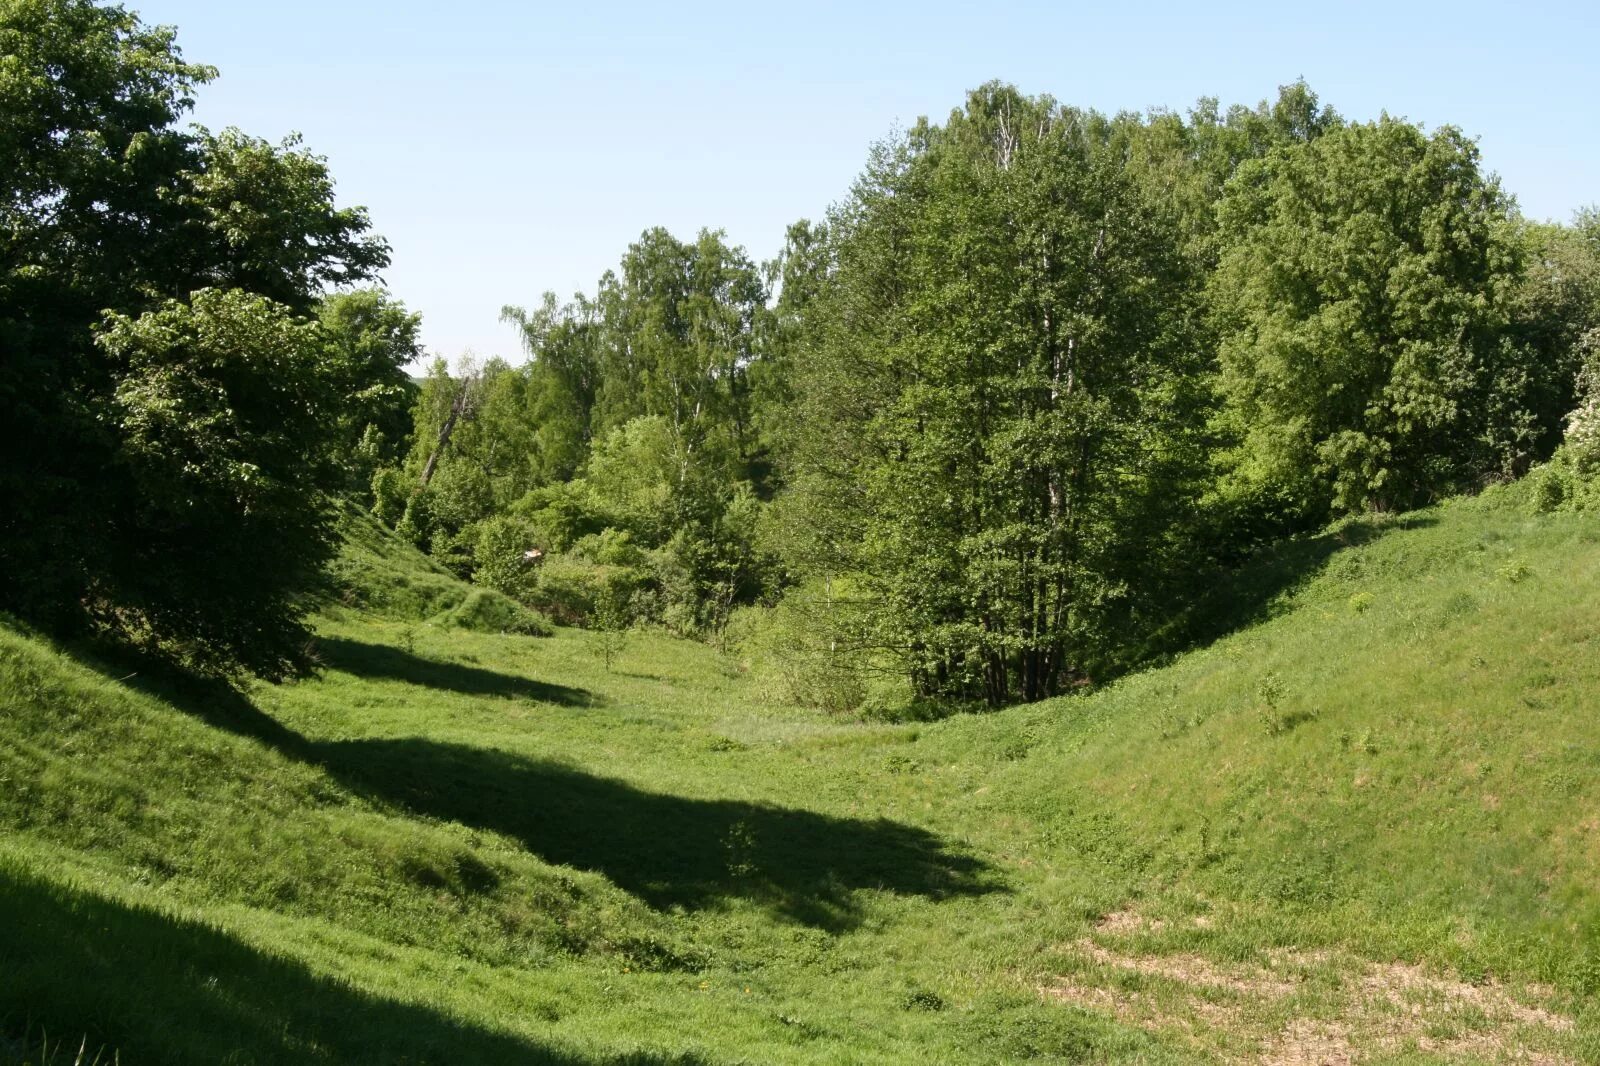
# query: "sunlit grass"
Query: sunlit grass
454,846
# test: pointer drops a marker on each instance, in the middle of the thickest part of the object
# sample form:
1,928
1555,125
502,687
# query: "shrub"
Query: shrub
1582,442
571,590
1514,571
609,547
487,611
1548,488
559,515
390,491
500,547
798,646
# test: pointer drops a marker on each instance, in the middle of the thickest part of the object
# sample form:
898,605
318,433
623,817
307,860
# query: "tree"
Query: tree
635,416
1362,299
680,337
106,204
798,276
1556,310
1183,166
223,412
371,340
998,396
563,345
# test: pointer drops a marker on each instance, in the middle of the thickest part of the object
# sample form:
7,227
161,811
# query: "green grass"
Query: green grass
381,576
1366,824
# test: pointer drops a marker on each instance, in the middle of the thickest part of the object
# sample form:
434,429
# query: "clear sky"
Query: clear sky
506,148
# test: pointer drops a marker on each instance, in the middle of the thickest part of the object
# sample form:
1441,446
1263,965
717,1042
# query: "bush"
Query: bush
390,492
609,547
571,589
1548,489
632,473
797,647
558,515
487,611
1582,443
500,547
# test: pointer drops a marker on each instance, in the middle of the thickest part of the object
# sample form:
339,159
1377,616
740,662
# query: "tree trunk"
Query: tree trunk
459,406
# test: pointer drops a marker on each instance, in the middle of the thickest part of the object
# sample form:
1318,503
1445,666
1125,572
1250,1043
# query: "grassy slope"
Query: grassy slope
1368,825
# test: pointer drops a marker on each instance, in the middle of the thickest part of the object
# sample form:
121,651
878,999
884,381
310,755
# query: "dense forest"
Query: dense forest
983,434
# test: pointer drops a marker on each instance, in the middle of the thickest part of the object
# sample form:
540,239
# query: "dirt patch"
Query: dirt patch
1358,1009
1304,1042
1127,920
1399,982
1194,971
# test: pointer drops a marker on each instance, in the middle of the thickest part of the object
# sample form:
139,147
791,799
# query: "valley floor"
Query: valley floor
1364,830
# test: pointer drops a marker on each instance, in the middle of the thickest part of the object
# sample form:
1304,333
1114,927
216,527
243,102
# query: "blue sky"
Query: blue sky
509,148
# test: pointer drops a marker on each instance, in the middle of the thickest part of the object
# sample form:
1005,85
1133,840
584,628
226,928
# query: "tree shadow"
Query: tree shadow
148,987
208,699
1231,598
382,661
667,850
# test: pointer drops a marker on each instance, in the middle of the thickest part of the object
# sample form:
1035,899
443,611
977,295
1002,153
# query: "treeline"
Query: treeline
633,450
981,434
1039,376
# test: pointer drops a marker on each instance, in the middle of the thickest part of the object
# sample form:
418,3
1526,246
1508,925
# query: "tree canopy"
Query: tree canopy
1363,302
164,403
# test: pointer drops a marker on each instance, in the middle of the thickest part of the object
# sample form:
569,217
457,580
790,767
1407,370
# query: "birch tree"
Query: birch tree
1003,340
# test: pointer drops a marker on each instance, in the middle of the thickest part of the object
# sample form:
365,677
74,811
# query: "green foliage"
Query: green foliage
261,217
221,412
1581,445
372,340
1000,396
610,618
1570,481
1556,309
573,590
636,414
1363,297
683,318
390,494
487,611
152,489
633,475
802,650
564,342
500,555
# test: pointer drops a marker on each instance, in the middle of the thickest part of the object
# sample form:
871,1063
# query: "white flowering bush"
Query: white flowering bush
1582,441
1568,481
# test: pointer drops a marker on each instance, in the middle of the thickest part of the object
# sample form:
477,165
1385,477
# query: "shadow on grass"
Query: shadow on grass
211,700
669,851
153,988
1232,598
394,664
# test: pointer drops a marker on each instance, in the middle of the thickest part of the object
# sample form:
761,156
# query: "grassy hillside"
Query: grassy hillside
1363,828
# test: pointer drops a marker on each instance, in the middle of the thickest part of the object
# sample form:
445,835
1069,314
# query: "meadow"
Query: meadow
1357,822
